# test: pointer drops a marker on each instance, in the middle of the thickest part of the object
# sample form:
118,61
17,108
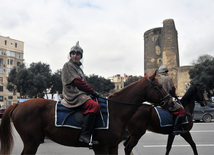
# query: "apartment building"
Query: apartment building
11,55
118,81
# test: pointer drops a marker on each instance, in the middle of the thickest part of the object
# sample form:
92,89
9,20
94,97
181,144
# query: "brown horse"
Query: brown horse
149,120
34,119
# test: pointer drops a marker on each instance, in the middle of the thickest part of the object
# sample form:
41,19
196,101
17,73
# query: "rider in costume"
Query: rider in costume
176,108
77,93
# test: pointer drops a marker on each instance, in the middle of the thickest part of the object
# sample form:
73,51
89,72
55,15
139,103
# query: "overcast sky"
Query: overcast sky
109,31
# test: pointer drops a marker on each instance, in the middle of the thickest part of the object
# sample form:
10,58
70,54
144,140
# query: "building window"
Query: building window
18,63
5,42
15,45
1,61
10,53
18,55
10,97
1,70
1,52
1,98
1,88
10,61
1,80
8,70
10,102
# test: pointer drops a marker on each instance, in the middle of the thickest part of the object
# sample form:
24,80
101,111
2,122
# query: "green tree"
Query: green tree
31,82
203,72
132,79
41,79
100,84
202,58
19,80
56,82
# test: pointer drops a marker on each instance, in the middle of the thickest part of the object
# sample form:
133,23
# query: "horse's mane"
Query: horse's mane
127,87
188,94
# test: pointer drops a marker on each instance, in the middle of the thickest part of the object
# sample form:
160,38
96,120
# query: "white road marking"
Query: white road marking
194,131
201,131
178,145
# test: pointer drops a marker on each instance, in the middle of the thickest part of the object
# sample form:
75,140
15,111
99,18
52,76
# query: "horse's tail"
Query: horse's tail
6,136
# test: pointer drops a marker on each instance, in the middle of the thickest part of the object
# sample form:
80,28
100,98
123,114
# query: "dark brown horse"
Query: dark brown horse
148,118
34,119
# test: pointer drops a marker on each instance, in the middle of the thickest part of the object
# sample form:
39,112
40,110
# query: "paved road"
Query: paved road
202,133
150,143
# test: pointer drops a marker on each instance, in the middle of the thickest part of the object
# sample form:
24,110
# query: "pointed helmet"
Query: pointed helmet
163,69
77,48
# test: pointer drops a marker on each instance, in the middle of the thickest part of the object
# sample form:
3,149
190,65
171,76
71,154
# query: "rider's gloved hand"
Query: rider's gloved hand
176,97
95,94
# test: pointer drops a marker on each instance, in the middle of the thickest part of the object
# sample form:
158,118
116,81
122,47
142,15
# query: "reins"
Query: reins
129,104
139,104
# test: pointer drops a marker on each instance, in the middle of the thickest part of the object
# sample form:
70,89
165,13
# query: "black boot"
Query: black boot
88,129
177,129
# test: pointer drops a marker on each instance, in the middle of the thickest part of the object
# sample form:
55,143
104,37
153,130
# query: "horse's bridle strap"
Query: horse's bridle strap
122,102
168,95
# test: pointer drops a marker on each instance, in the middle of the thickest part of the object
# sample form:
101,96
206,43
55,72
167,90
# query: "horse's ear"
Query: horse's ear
152,77
145,75
156,72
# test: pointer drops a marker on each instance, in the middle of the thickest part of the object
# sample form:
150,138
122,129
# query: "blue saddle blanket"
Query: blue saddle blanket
65,117
166,118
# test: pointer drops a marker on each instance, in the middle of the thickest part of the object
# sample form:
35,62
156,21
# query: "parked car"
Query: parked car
210,104
205,113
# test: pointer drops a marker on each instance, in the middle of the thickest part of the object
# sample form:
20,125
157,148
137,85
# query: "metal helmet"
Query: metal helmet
76,48
163,69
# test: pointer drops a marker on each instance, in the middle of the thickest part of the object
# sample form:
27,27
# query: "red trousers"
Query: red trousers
91,107
180,112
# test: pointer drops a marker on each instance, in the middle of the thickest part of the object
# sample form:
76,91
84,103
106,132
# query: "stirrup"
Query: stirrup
89,142
177,132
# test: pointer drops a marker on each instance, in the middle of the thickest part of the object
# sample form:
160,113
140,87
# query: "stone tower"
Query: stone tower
161,48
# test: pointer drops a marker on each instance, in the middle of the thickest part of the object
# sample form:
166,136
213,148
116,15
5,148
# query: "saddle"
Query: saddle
166,118
73,117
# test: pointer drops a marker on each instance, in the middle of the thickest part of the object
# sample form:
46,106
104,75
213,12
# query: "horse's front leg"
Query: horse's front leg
132,141
187,136
113,150
127,149
169,143
126,141
104,149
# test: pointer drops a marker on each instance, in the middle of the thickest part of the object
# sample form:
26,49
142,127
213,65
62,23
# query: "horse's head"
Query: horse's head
156,92
200,89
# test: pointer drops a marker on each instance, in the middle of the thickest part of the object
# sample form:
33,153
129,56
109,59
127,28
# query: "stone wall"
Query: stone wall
183,78
161,48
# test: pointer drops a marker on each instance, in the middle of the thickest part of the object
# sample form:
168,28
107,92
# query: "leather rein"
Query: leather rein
162,102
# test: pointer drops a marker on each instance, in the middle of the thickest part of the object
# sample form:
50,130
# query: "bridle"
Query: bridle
163,97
